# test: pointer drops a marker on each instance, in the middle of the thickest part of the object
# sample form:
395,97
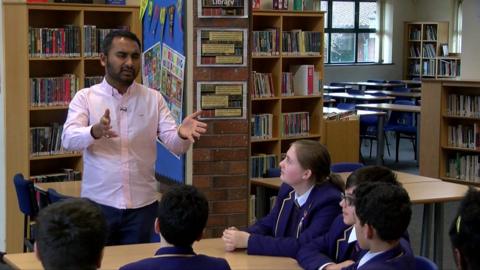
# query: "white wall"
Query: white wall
3,187
471,40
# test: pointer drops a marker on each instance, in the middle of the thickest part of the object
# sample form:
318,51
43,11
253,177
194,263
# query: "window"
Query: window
351,34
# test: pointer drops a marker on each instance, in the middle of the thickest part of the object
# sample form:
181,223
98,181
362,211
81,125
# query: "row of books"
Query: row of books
53,91
54,42
66,175
287,84
414,50
463,105
314,5
428,68
430,32
414,68
465,136
46,140
295,124
449,68
415,34
429,51
298,42
261,126
266,42
93,38
260,163
463,167
262,85
340,115
92,80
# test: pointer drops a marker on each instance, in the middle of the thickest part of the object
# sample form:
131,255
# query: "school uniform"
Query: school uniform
171,258
290,224
337,245
399,257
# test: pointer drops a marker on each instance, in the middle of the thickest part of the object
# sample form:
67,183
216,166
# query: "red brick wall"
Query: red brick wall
220,157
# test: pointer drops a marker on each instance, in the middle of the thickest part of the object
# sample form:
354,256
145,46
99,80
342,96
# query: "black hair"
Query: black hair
371,174
182,215
70,234
465,230
385,207
314,156
107,42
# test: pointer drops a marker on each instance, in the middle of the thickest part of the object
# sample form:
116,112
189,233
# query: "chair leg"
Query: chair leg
25,224
386,142
397,143
414,143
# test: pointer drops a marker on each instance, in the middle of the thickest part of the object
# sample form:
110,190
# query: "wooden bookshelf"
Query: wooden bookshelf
423,48
21,116
276,63
442,156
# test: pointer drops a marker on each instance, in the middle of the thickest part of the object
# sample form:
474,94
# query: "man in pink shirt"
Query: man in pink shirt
116,124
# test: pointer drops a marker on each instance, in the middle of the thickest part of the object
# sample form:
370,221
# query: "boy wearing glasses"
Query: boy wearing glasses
338,248
465,232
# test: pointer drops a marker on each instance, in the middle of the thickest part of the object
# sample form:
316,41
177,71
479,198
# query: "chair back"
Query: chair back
273,172
54,196
377,81
25,195
345,167
396,81
346,106
402,89
402,118
422,263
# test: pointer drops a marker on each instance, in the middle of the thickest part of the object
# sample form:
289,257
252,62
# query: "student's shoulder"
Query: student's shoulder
144,264
326,192
205,262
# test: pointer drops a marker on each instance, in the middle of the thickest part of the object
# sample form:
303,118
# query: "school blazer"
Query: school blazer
268,235
173,258
400,257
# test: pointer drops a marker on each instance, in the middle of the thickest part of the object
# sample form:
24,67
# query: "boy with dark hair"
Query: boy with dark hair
182,216
338,248
383,212
71,235
465,232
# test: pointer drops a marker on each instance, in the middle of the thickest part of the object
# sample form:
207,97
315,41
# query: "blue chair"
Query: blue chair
368,127
345,167
422,263
28,206
376,87
404,126
346,106
273,172
54,196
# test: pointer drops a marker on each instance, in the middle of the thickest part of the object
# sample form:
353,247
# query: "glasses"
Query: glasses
349,199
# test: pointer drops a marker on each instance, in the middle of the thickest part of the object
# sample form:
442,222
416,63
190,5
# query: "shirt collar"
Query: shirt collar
113,91
367,257
175,251
301,200
353,236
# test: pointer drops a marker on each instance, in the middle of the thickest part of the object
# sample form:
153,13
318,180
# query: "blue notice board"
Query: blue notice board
168,167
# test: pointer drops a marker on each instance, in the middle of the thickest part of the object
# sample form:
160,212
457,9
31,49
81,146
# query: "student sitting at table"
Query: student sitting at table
338,248
182,216
465,232
306,205
70,234
382,214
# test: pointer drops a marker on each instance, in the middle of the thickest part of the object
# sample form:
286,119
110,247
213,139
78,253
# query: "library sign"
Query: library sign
222,8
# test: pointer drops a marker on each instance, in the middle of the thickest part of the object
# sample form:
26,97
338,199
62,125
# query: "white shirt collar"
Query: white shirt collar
367,257
301,200
353,236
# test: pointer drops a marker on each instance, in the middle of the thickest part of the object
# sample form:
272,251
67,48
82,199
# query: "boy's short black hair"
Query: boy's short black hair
371,174
465,230
71,234
182,215
107,42
386,207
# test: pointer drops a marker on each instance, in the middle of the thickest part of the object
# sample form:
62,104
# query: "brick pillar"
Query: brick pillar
220,157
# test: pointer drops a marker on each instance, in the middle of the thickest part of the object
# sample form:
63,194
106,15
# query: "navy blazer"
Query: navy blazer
400,257
334,247
171,258
268,236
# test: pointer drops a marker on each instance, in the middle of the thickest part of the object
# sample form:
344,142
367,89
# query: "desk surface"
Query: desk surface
358,112
420,188
386,85
116,256
360,97
395,93
390,107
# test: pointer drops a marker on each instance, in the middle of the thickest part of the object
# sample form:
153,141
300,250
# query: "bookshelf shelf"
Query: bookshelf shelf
460,149
461,117
459,181
26,24
278,112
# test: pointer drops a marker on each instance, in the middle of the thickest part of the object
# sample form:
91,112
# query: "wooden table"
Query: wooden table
430,192
335,88
364,85
116,256
395,93
358,97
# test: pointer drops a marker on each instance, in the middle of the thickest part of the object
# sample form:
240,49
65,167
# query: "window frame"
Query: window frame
355,30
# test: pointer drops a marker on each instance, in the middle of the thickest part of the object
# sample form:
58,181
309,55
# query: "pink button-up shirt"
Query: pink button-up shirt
119,172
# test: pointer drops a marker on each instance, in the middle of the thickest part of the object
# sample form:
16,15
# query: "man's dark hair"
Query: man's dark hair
71,234
465,230
182,215
385,207
107,42
371,174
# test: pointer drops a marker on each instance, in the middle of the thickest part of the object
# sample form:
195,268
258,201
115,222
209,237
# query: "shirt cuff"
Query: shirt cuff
325,265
